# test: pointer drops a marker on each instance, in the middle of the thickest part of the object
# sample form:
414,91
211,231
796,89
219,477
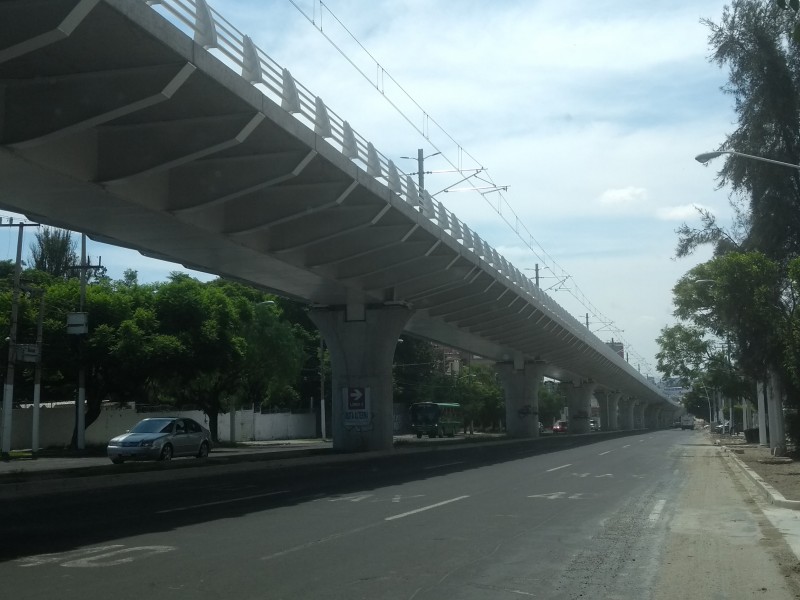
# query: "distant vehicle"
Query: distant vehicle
594,425
160,439
687,422
560,427
436,419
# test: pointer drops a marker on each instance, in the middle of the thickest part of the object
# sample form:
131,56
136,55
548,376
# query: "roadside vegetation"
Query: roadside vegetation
738,322
183,343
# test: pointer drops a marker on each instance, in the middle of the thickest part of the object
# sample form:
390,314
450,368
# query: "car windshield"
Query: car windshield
153,426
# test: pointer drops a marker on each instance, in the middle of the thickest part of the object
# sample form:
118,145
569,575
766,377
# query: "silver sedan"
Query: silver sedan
161,439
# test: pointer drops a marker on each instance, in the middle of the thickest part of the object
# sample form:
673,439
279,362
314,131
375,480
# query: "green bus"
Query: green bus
435,419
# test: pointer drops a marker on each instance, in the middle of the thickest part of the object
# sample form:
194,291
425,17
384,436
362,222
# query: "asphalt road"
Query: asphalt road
484,522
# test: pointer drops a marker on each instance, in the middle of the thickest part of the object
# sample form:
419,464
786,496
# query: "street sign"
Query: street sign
77,323
356,406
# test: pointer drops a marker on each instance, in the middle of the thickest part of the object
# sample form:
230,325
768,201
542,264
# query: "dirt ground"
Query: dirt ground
783,475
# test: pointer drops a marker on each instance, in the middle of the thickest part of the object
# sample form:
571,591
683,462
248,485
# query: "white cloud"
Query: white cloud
624,197
686,212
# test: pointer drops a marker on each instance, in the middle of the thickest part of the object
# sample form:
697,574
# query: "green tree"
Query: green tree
750,305
274,357
53,252
551,401
204,320
754,41
415,363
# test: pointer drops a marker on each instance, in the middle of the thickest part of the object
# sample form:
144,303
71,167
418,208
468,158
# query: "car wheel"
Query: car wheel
166,453
117,461
203,453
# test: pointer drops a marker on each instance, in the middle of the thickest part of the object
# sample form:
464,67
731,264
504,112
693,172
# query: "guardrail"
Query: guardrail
213,32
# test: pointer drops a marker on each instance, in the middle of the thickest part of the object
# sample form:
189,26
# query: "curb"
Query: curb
770,493
48,482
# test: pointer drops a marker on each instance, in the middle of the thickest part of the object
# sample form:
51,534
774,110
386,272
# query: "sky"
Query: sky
589,114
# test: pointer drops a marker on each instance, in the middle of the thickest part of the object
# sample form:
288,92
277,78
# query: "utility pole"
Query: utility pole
37,376
420,170
80,413
77,324
322,385
8,387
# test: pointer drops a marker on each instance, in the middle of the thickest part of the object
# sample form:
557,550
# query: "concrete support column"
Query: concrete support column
613,411
626,414
521,382
657,422
638,415
579,403
602,402
647,416
361,341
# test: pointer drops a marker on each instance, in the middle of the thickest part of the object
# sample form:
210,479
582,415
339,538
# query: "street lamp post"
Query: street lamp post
707,156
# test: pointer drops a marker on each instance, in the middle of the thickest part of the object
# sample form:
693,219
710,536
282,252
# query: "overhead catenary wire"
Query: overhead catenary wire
501,207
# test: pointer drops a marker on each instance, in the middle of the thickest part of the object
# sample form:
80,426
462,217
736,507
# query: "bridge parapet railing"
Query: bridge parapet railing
212,31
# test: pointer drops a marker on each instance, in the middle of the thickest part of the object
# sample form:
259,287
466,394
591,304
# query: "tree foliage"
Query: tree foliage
744,297
53,252
754,41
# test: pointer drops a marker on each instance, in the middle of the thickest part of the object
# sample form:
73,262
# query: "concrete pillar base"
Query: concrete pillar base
361,341
521,387
579,402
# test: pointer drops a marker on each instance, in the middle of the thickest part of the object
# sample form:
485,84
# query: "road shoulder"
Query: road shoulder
720,544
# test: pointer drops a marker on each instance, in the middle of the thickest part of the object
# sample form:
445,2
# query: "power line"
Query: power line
502,208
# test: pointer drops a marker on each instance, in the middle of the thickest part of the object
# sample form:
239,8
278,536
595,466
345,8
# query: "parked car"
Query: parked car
594,425
161,439
560,427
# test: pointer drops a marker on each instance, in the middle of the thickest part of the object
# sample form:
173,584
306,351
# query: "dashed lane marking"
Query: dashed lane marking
230,501
424,508
557,468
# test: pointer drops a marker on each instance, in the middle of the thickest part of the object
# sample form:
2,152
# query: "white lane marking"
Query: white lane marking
100,556
350,498
604,453
627,446
242,499
460,462
557,468
334,536
656,513
604,475
43,559
120,557
560,495
424,508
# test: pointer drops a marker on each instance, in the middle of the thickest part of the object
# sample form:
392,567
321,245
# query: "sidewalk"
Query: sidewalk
778,479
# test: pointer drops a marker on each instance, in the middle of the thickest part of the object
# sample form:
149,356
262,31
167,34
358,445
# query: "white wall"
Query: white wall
56,425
